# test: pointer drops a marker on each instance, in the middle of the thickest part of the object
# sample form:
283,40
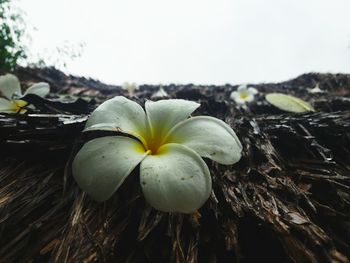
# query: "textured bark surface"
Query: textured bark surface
287,200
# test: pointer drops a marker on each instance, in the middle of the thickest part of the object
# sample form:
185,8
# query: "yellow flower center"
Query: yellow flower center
154,144
243,95
17,106
151,146
151,141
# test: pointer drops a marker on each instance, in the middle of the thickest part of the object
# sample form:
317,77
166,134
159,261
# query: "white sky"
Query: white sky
197,41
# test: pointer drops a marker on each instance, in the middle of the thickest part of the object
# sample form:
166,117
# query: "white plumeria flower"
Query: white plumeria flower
243,94
168,144
10,90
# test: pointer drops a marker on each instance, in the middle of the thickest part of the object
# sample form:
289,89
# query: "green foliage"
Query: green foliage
11,33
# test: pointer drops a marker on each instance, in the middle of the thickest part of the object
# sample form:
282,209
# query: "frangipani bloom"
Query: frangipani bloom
10,93
165,142
243,94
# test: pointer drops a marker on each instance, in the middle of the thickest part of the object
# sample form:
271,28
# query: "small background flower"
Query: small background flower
161,93
316,89
243,94
130,87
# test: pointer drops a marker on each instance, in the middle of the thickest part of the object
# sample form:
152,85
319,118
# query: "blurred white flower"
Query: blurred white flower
10,93
161,93
130,87
243,94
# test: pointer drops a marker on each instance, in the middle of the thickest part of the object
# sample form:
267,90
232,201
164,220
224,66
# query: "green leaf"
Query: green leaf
12,29
288,103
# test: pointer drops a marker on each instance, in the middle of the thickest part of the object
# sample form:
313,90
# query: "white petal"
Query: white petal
103,164
242,87
165,114
288,103
234,95
240,100
119,114
9,85
6,106
175,180
41,89
252,90
316,89
209,137
249,98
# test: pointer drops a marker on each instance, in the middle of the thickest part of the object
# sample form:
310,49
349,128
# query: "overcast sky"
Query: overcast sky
197,41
